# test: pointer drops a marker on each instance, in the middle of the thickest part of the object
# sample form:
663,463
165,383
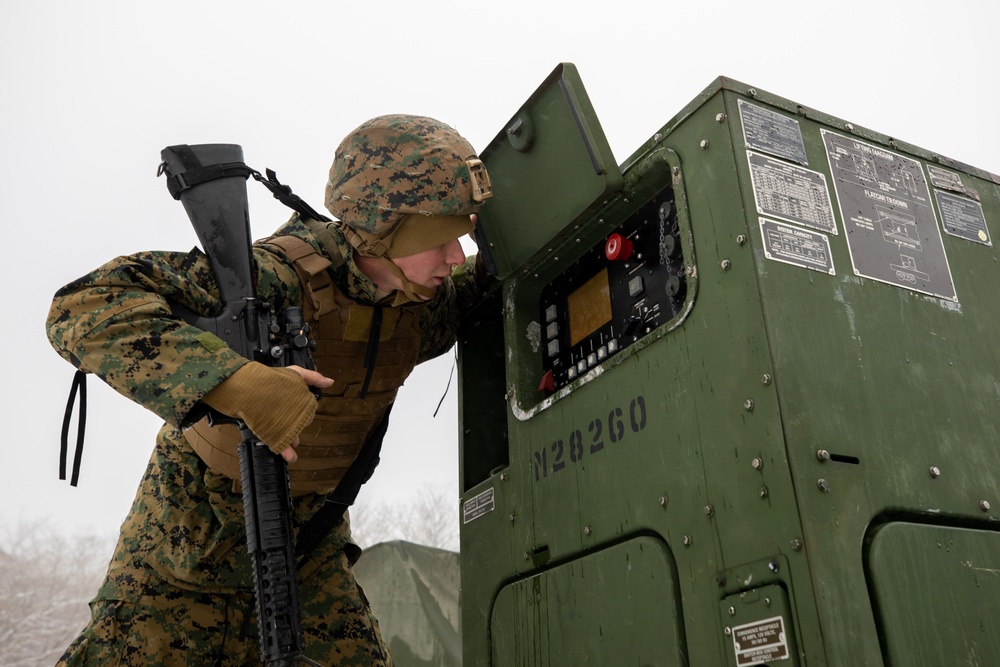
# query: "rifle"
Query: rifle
210,181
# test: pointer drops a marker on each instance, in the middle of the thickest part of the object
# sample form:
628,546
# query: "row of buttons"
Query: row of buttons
594,358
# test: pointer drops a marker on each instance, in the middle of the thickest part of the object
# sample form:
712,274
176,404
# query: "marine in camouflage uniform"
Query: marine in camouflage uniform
179,588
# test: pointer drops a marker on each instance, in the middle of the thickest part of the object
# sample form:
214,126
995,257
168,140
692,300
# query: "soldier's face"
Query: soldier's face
430,267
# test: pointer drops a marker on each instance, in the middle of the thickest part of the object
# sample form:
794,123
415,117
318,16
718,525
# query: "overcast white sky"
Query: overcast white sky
91,91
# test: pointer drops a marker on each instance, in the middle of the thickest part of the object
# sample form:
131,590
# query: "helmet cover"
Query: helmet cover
398,165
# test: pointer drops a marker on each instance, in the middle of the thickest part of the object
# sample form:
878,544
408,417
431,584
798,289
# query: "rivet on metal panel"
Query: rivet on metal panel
823,486
823,455
512,517
704,144
731,611
687,540
796,544
757,463
935,472
752,92
741,239
663,502
708,510
720,117
657,137
503,477
728,631
748,405
725,264
984,505
849,127
774,566
767,602
763,492
587,530
766,379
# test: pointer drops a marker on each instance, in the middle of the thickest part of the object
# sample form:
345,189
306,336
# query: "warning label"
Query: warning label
760,641
477,506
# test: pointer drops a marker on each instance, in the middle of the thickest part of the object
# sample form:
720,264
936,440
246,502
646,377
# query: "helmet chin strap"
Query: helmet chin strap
412,291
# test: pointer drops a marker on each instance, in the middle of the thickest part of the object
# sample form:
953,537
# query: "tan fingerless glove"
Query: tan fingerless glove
274,402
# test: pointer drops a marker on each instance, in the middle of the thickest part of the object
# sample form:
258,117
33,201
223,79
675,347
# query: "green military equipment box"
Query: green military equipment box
734,402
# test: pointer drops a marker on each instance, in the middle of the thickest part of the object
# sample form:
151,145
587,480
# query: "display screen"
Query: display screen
589,307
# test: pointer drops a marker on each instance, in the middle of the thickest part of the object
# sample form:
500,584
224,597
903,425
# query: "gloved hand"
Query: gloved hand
275,403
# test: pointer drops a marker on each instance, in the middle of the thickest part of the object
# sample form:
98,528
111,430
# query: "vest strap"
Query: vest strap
331,514
312,269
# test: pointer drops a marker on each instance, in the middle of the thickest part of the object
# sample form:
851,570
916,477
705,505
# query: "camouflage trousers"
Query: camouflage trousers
167,626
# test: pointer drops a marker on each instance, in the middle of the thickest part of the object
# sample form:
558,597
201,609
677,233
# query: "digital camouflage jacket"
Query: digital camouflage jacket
186,523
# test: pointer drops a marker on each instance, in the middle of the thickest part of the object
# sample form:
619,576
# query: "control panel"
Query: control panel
622,289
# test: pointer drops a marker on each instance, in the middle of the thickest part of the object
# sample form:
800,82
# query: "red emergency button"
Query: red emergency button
548,383
618,248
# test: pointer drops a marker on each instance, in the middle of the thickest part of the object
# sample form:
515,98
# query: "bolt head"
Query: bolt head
757,463
708,510
935,472
984,505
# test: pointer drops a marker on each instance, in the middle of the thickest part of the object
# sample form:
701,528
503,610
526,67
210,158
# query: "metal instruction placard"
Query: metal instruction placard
963,218
761,641
790,192
889,220
796,246
771,132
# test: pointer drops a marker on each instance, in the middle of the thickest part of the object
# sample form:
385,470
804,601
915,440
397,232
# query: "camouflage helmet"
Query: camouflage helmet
399,165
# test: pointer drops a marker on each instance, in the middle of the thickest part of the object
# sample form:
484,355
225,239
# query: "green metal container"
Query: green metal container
734,402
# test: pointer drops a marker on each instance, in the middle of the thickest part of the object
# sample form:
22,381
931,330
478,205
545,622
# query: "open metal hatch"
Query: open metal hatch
550,165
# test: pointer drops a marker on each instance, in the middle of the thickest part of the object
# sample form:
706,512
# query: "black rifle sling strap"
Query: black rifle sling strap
195,172
332,512
284,194
79,383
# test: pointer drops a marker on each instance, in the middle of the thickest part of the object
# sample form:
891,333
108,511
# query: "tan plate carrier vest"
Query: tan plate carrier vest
344,419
